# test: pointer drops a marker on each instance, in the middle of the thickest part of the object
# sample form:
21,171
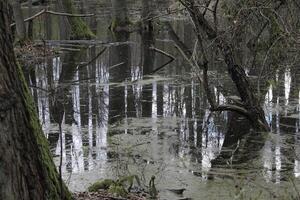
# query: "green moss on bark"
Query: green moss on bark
79,29
52,177
101,185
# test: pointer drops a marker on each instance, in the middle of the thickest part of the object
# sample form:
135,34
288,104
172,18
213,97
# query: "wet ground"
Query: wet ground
120,119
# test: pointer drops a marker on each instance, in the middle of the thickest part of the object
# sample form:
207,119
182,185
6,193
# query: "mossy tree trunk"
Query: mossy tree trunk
79,29
26,168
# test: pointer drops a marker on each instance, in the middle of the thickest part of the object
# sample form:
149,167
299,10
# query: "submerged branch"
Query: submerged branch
165,54
93,59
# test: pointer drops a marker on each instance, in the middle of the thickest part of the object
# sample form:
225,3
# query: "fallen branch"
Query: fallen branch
93,59
116,65
53,13
165,54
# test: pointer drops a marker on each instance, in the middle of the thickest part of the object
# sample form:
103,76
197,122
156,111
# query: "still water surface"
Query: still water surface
117,119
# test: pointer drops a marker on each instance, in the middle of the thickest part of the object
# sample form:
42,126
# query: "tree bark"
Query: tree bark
19,19
26,167
79,29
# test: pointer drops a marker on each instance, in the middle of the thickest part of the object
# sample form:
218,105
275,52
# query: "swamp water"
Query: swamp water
118,120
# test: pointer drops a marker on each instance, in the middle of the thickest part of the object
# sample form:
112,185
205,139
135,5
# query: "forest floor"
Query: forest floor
32,54
103,195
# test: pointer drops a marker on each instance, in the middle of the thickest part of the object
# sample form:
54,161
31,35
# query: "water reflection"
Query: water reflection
280,152
91,96
118,119
88,103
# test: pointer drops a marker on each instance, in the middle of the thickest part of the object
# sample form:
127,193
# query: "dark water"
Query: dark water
118,119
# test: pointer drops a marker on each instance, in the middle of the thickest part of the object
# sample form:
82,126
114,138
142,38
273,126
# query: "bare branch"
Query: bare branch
206,7
53,13
233,108
236,72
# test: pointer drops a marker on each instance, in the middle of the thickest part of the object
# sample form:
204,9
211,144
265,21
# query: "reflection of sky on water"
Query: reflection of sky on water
92,137
276,110
287,86
86,146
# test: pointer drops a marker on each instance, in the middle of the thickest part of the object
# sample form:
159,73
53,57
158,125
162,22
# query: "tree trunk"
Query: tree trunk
79,29
251,107
19,19
120,19
64,26
26,167
30,23
48,24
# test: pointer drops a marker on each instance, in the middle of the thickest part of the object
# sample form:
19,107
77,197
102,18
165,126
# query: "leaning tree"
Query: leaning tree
258,36
249,106
27,170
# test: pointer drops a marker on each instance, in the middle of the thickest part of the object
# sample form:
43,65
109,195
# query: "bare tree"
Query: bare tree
249,106
256,35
